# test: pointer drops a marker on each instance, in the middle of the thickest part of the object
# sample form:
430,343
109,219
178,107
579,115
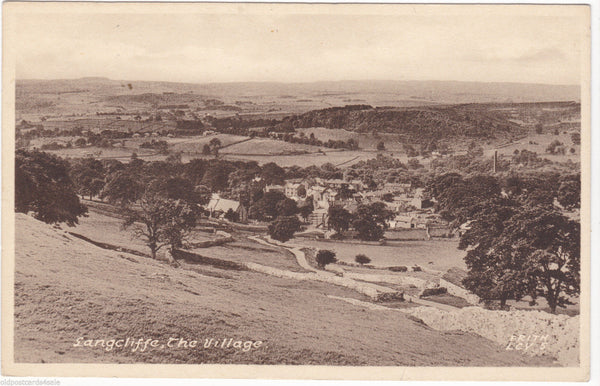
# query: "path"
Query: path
374,291
300,256
369,289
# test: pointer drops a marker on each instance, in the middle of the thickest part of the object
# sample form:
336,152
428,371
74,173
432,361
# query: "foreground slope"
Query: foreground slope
66,288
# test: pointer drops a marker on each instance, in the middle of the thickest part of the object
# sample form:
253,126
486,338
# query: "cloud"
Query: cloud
291,48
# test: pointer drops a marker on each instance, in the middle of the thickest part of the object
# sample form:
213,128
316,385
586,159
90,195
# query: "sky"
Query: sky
528,47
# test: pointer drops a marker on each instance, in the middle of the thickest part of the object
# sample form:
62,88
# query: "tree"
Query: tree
549,245
206,150
459,198
272,174
266,207
492,273
414,163
576,138
339,218
216,176
161,221
88,176
286,207
43,186
569,192
215,145
80,142
202,195
362,259
539,128
301,191
380,146
388,197
513,251
306,210
344,192
283,228
370,221
324,257
123,187
554,146
475,150
179,188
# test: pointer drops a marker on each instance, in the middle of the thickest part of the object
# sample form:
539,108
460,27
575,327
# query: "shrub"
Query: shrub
232,216
362,259
416,268
398,269
324,257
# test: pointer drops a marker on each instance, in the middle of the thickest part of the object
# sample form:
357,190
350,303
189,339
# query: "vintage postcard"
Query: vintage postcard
301,191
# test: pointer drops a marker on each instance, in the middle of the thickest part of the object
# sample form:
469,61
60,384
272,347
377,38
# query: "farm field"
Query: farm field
442,253
539,144
365,141
120,153
338,158
66,288
195,144
267,146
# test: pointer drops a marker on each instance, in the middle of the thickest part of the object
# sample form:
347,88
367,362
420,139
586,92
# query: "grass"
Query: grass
267,146
443,254
107,229
365,141
541,142
66,288
104,228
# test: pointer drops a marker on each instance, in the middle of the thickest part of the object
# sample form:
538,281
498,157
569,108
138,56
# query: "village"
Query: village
414,217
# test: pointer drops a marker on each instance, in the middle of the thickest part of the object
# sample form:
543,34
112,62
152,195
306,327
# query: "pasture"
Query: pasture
267,146
443,254
366,141
539,143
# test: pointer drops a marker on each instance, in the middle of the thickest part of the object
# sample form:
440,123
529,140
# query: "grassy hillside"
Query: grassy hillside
66,288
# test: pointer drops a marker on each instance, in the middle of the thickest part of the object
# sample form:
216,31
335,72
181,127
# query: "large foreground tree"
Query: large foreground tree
549,245
162,221
43,187
513,251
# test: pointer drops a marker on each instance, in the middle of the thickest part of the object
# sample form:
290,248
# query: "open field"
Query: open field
67,289
120,153
365,141
344,158
259,146
442,253
195,144
539,144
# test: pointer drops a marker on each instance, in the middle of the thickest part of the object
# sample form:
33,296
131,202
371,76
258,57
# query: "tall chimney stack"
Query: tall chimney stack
495,160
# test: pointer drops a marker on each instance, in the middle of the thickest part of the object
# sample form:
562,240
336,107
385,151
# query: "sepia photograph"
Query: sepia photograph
309,191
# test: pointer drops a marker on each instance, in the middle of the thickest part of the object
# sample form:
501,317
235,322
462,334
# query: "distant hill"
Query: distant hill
424,122
372,92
